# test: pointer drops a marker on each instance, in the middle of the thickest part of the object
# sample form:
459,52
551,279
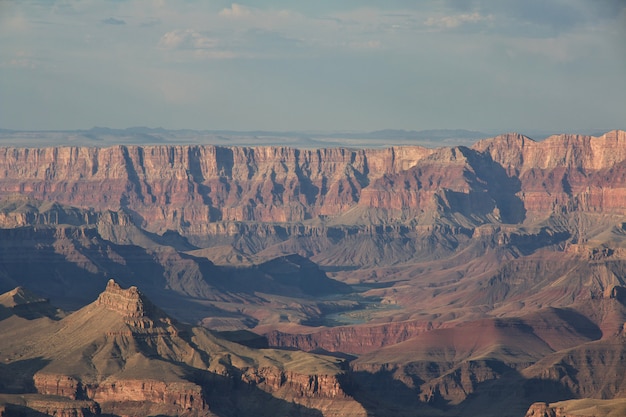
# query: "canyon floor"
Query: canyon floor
209,280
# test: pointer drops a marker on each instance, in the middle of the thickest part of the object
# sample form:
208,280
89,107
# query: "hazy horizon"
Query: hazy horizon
282,66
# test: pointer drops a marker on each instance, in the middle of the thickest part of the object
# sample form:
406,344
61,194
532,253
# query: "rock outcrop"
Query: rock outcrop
542,409
564,172
33,405
350,339
131,303
125,356
464,244
212,193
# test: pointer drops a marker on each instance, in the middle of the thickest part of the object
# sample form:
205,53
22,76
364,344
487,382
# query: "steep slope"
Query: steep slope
449,182
437,356
175,186
495,271
70,261
564,173
272,201
126,355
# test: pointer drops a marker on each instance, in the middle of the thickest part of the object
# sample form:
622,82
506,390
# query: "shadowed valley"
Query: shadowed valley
457,281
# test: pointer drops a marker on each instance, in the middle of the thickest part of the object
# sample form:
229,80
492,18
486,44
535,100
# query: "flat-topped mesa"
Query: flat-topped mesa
131,303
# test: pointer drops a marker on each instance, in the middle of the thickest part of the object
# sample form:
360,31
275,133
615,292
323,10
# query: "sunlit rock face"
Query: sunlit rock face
467,280
195,188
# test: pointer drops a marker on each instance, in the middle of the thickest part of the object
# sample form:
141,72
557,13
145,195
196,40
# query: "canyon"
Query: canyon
122,355
455,281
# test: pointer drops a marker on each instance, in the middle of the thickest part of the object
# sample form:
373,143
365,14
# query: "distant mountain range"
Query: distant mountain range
103,136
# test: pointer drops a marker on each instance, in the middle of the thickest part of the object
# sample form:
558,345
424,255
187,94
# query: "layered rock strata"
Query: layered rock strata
202,190
125,356
350,339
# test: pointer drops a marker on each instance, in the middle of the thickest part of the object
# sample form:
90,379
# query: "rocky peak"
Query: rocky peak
508,150
129,302
26,304
540,409
20,296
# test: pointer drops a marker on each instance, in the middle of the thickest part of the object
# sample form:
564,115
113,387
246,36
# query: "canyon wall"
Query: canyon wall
177,396
350,339
565,173
200,190
174,186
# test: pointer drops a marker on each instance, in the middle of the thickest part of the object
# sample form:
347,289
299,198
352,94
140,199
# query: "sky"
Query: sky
322,65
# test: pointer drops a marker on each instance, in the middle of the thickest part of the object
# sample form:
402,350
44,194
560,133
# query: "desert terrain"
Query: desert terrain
483,279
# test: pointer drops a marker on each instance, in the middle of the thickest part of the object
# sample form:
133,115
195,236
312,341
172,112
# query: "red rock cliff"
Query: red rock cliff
174,186
565,172
199,190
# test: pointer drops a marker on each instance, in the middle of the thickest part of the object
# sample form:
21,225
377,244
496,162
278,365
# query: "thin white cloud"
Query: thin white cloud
454,21
196,45
114,21
21,60
236,11
187,39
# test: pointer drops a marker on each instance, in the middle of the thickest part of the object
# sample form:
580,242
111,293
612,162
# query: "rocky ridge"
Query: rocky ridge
258,198
520,242
125,356
326,181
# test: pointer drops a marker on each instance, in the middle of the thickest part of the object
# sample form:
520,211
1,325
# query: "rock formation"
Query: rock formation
34,405
350,339
124,356
455,281
185,187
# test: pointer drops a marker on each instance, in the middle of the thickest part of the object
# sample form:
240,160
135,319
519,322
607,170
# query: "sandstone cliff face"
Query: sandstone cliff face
253,198
173,186
293,384
125,356
28,405
184,396
353,339
518,153
108,396
565,172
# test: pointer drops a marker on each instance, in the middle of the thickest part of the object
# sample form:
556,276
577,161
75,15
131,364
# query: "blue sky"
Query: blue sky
489,65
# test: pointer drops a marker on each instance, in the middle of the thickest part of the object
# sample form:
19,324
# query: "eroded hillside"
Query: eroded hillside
443,277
